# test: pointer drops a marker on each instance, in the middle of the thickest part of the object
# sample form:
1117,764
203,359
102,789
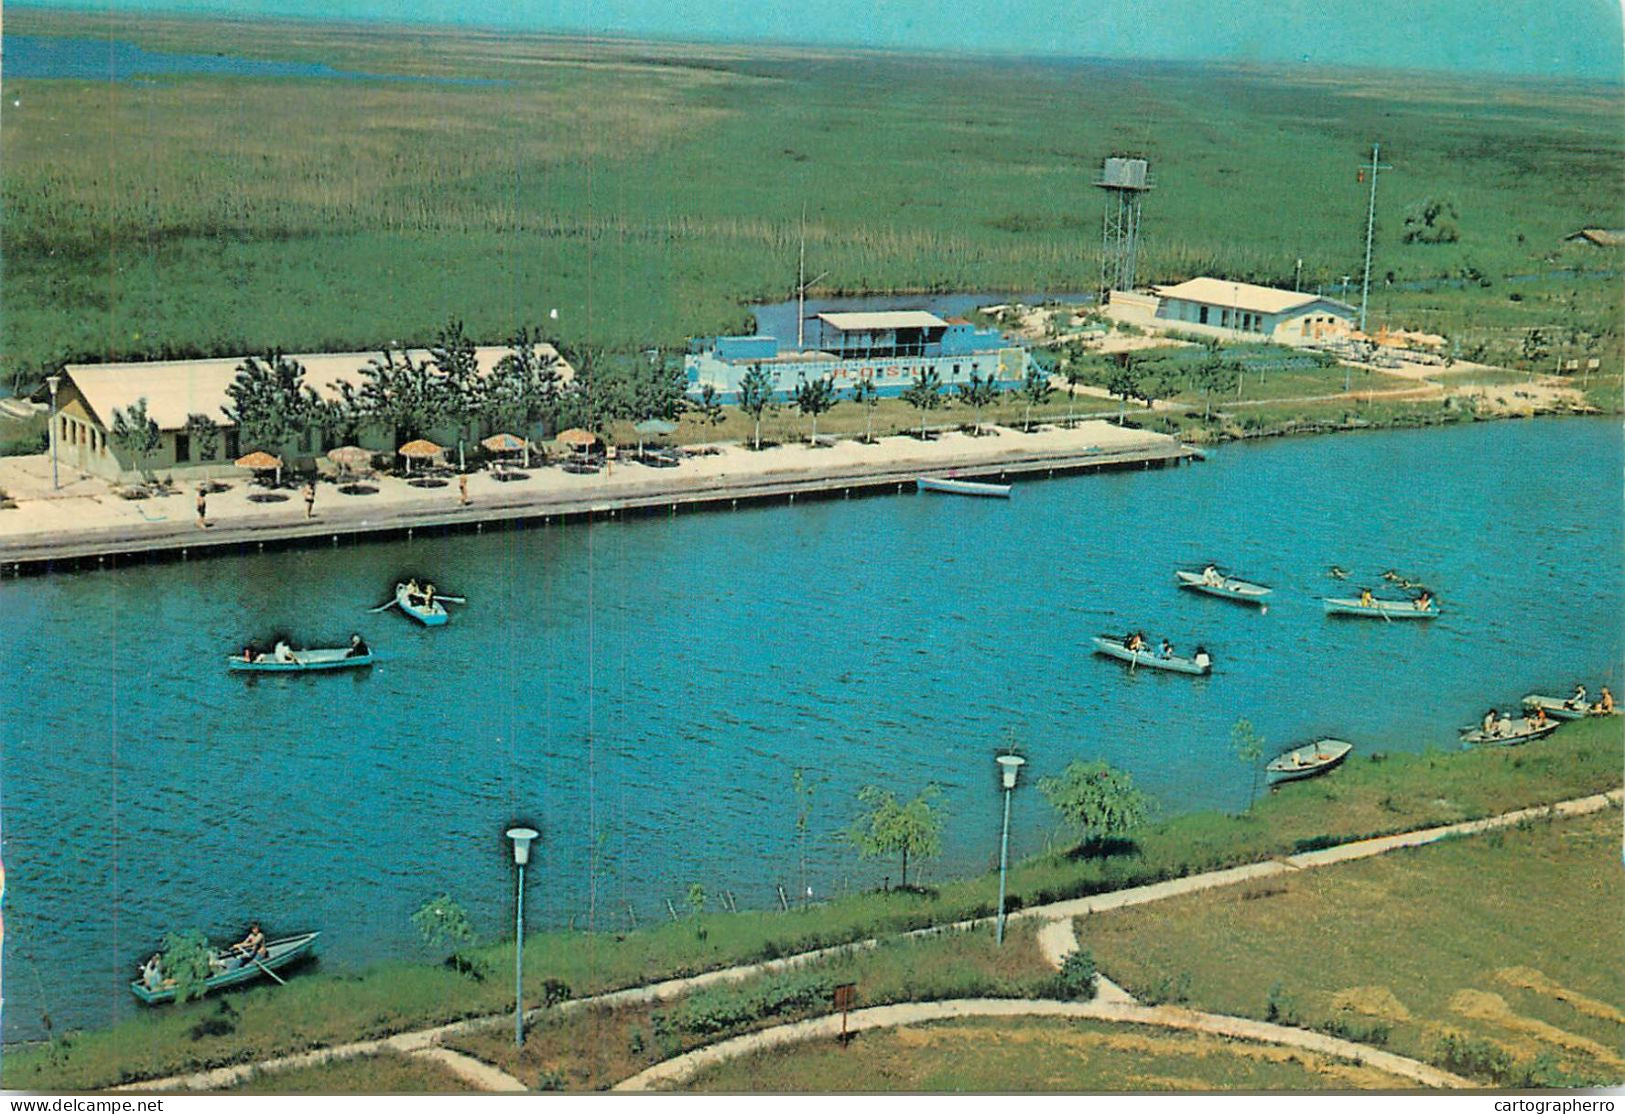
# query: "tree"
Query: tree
660,391
865,395
204,434
135,434
756,396
1248,747
1214,374
185,959
443,923
977,393
924,394
521,390
885,827
452,355
1124,382
814,397
1098,800
708,406
409,397
1072,368
270,403
1431,221
1035,390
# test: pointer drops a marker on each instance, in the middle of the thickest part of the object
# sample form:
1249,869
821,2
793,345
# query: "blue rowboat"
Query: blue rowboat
963,487
1381,609
1228,588
1149,659
304,661
278,953
434,615
1308,760
1520,731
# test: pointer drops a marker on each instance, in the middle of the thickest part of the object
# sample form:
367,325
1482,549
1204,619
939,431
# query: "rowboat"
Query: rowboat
963,487
1114,648
433,615
1228,588
1522,731
1381,609
279,953
1308,760
304,661
1557,708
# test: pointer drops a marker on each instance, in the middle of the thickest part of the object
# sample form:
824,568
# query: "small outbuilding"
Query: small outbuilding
1598,237
1241,311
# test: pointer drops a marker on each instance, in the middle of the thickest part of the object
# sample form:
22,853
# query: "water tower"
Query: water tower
1125,181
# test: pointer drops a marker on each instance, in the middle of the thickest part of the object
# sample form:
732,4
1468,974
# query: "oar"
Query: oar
261,965
382,607
450,599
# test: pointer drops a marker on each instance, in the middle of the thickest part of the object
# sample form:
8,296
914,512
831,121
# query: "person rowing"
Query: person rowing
1211,577
1424,601
358,647
414,594
1135,642
1366,598
252,945
1578,700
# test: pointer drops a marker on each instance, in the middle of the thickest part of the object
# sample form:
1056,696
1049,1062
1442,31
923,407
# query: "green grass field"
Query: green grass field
648,192
1020,1056
1505,946
384,1073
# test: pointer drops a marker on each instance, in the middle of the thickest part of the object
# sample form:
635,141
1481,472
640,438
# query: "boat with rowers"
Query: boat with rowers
1214,583
1367,606
1137,652
230,969
285,659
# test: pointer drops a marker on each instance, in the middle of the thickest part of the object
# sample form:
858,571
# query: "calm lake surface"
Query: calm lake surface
643,690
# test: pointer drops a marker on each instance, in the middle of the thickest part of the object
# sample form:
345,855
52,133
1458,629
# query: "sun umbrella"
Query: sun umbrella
262,461
578,438
419,450
507,443
350,457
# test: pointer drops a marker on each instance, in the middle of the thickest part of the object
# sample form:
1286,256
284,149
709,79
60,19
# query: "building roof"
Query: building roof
883,320
175,389
1242,295
1602,237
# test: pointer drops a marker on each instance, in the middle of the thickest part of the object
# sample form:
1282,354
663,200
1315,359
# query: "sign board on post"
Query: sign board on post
845,994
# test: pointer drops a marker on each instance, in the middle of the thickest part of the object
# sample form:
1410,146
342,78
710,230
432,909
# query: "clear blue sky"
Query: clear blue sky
1581,38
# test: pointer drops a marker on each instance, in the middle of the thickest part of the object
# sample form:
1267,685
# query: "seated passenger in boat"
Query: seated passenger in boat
1366,599
283,651
1167,650
1578,700
1210,575
152,972
251,653
428,594
414,594
1537,719
358,647
1490,717
1201,660
1605,703
1424,601
1135,641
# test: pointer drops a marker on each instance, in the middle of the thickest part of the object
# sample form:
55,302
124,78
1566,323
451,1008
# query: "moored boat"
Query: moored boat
1558,708
304,661
1116,648
1227,587
1381,609
1518,731
278,953
430,614
1308,760
963,487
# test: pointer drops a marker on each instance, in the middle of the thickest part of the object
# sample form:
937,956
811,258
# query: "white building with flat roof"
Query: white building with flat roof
1238,311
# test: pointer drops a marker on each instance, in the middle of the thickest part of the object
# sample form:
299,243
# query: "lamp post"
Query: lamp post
1009,766
53,381
521,837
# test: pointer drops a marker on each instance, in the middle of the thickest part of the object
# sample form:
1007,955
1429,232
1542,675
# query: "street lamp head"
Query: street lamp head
521,843
53,381
1009,766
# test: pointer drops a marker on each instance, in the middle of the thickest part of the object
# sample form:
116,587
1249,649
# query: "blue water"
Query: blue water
642,690
39,56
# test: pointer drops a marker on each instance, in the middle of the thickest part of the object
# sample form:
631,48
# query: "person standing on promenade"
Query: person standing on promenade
202,506
462,488
310,499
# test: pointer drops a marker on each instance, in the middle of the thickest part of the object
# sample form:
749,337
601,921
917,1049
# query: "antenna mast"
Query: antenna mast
1370,224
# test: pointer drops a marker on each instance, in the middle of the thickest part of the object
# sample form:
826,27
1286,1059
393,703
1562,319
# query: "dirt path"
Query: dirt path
1055,942
680,1068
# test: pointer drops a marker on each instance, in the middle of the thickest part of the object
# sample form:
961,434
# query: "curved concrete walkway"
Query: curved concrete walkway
417,1040
680,1068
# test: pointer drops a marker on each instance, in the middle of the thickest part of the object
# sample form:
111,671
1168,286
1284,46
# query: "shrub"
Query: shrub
1279,1007
1078,979
1464,1055
717,1010
1169,989
1376,1033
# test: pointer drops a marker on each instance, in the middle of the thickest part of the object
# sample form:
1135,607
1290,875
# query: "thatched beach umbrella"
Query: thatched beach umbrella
261,461
507,443
419,450
350,457
653,427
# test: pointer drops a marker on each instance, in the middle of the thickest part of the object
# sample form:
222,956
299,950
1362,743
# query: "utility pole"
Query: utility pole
802,284
1370,225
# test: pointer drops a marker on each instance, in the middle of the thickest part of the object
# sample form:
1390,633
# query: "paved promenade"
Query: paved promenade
86,519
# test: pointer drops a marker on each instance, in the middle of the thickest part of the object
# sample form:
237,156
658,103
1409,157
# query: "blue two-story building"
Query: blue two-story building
890,349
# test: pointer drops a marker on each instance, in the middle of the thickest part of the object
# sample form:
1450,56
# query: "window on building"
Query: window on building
234,445
183,448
